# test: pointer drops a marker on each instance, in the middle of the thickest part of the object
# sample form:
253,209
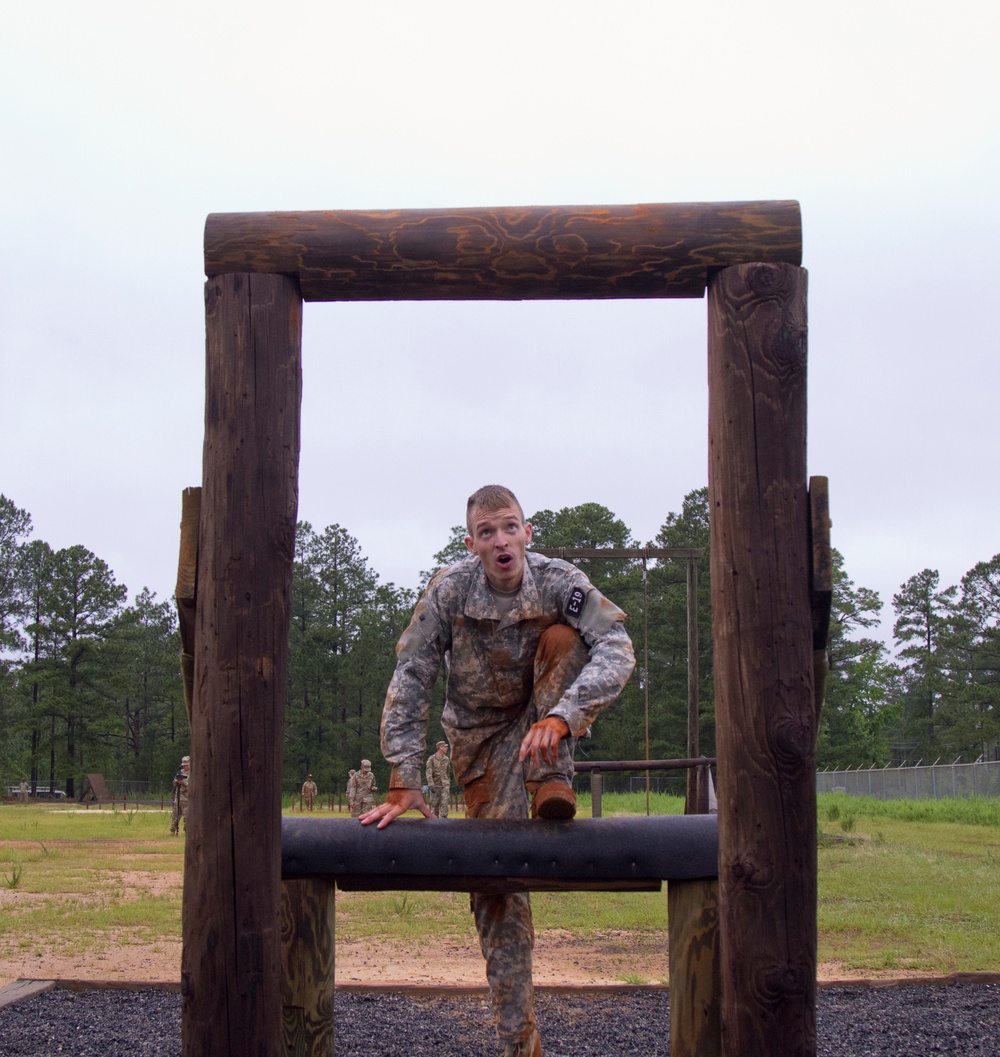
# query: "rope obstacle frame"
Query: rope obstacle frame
766,567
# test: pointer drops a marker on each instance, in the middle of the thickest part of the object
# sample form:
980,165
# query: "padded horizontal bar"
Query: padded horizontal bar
502,855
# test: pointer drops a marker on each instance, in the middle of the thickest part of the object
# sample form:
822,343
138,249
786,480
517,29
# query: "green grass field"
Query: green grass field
903,885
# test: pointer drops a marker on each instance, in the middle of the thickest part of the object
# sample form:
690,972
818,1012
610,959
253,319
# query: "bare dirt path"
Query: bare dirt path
610,957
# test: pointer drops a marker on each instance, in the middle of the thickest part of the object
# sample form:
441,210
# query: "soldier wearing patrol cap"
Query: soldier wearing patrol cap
180,796
534,653
362,796
438,769
309,792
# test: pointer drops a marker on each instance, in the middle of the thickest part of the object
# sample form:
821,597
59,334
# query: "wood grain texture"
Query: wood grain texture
308,926
512,253
231,961
765,716
693,917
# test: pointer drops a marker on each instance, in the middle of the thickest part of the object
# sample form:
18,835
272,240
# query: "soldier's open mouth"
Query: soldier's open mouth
504,559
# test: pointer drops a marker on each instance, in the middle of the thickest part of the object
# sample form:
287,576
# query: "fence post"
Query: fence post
596,788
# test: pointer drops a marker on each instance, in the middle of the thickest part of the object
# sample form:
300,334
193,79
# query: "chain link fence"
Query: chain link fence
932,782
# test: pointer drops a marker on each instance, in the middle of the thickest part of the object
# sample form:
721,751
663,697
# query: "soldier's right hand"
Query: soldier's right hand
396,802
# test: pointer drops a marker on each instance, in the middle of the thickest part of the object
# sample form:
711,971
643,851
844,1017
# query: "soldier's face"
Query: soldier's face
500,538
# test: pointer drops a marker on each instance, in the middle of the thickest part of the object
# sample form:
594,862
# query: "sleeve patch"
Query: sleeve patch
574,607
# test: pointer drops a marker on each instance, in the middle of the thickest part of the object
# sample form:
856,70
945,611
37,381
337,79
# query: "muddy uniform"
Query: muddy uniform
438,784
499,682
309,791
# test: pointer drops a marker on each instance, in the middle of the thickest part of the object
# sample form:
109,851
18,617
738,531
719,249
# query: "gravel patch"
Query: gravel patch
898,1021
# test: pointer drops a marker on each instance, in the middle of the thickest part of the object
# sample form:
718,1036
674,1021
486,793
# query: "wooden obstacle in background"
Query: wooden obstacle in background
260,267
96,789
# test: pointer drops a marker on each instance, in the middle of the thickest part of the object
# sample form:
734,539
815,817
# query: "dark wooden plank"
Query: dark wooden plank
822,558
231,961
510,253
186,590
821,583
765,717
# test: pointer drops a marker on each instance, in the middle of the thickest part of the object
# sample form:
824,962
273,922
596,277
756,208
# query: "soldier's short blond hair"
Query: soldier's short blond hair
489,498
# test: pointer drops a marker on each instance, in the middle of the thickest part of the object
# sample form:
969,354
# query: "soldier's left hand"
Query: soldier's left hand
397,801
541,742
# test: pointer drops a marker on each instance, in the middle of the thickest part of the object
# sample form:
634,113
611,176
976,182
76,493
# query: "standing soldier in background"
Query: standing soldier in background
363,797
439,780
350,790
309,792
180,795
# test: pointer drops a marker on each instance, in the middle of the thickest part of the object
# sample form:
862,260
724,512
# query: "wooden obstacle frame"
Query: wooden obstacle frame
767,569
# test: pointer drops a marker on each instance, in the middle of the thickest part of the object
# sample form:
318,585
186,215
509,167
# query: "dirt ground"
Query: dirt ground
611,957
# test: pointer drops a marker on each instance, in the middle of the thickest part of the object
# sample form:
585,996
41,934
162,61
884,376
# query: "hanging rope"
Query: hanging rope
645,665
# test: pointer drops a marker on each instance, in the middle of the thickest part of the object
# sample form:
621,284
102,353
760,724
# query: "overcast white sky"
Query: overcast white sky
123,125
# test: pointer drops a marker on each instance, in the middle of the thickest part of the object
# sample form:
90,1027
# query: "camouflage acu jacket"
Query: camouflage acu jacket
489,661
437,770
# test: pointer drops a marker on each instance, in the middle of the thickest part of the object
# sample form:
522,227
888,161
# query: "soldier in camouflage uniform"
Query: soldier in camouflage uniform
533,654
439,780
362,796
180,796
309,792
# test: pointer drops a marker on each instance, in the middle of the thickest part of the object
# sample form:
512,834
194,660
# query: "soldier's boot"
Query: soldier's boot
529,1047
553,800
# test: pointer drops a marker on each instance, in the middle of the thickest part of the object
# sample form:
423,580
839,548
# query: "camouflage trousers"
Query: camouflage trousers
504,924
437,800
178,813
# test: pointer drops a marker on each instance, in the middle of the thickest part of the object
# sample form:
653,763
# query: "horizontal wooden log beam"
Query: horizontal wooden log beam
644,765
509,253
648,553
494,855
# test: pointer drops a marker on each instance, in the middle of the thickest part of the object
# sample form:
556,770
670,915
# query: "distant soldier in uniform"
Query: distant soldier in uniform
350,790
534,653
309,792
363,798
24,792
439,780
180,795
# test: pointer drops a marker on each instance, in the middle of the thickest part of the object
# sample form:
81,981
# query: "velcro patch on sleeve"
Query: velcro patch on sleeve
574,607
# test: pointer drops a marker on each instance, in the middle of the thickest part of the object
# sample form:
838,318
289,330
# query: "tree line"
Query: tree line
90,683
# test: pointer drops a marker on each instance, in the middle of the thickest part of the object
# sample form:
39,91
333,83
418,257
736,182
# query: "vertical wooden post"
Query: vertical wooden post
693,923
307,951
596,789
765,717
231,961
696,792
186,590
